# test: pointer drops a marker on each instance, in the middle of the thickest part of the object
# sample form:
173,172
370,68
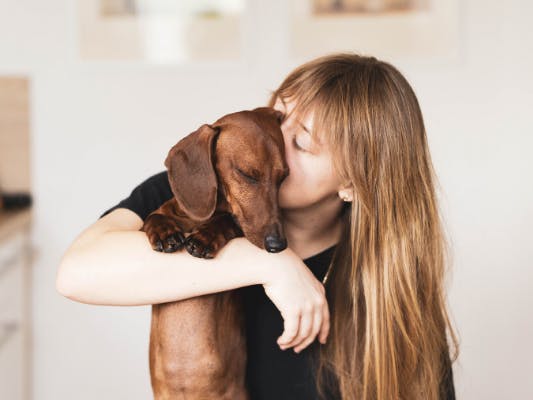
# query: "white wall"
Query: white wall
98,130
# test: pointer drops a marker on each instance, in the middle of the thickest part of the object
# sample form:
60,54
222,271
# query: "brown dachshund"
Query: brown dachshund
225,179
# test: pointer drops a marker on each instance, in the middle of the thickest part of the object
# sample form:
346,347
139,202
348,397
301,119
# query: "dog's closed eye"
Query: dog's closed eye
248,176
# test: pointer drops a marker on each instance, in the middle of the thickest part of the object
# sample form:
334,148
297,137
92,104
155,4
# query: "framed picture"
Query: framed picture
159,31
338,7
385,28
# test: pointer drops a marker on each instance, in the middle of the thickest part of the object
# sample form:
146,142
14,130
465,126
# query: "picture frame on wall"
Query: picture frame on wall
159,31
337,7
405,29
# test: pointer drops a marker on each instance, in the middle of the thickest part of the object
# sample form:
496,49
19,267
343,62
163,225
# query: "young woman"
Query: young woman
365,238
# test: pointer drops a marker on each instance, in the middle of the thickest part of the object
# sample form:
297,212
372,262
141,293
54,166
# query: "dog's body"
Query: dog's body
198,348
225,179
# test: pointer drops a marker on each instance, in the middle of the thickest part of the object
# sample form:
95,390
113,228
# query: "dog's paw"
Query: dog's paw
163,233
198,245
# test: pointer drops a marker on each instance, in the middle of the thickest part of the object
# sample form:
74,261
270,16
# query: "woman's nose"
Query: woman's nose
287,127
287,138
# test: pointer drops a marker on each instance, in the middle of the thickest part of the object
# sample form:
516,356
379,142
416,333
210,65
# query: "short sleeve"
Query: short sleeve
147,196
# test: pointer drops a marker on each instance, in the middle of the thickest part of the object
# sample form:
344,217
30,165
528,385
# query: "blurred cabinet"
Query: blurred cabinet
15,250
15,305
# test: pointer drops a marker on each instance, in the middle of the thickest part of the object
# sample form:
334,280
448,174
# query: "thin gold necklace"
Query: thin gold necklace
327,274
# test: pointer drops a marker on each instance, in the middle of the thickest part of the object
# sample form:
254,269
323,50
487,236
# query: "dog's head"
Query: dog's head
240,157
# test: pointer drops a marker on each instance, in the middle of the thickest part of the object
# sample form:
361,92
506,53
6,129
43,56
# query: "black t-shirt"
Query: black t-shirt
271,373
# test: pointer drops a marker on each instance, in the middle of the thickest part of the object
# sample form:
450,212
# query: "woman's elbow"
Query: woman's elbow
67,279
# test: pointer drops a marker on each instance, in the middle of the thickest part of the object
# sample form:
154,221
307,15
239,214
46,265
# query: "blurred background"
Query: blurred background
93,94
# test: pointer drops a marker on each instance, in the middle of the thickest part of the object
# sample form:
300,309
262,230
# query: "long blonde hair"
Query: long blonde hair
386,289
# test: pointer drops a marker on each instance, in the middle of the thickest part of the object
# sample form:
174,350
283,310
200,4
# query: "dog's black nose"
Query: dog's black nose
275,244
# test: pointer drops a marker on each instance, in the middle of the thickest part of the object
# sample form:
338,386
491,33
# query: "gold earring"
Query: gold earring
345,196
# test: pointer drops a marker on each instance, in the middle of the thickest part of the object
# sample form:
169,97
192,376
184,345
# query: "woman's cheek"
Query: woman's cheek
292,184
286,195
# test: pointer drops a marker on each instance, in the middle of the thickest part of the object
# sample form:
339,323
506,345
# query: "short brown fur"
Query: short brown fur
225,179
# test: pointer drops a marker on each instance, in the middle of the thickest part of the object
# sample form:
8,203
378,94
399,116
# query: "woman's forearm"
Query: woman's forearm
121,268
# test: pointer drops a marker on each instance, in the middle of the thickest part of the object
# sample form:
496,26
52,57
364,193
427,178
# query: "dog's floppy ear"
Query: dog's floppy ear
191,173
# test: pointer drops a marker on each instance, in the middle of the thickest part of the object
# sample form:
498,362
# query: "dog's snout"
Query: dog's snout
275,244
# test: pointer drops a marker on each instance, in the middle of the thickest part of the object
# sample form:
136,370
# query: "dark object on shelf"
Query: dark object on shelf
14,201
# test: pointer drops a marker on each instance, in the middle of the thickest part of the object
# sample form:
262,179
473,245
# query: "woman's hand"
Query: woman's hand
300,298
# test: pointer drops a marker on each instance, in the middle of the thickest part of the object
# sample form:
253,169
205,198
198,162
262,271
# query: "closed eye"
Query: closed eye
295,144
251,179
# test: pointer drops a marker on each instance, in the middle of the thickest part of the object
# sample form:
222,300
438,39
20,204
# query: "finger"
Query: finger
306,324
317,322
290,328
324,329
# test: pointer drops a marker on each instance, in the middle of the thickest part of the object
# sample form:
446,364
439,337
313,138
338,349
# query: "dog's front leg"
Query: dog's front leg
206,240
166,227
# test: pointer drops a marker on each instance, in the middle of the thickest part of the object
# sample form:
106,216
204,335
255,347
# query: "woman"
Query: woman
365,241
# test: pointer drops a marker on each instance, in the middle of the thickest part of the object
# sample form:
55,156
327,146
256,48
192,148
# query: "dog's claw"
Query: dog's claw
192,247
158,246
172,244
197,249
181,238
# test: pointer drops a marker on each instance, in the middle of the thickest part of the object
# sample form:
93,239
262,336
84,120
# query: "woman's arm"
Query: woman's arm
112,263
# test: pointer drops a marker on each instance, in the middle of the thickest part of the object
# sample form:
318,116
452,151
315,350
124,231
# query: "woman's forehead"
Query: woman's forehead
292,108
